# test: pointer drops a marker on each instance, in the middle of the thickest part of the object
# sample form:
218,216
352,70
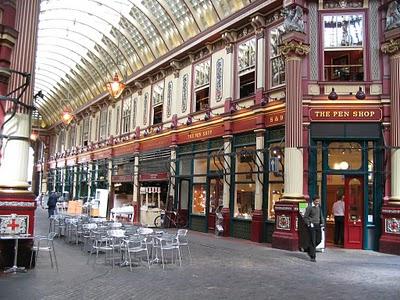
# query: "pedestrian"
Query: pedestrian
314,220
338,212
52,203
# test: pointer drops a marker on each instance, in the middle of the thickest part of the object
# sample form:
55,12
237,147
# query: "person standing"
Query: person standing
51,203
314,220
338,212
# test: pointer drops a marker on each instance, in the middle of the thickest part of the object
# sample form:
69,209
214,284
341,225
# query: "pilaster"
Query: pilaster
390,236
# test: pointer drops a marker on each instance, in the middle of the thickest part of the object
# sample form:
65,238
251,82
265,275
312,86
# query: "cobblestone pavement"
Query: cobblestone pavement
222,268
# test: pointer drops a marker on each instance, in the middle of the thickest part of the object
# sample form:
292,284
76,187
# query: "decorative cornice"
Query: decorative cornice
391,47
294,48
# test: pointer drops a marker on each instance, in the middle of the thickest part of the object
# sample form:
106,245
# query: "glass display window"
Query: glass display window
343,47
202,85
199,199
344,156
246,68
277,63
245,174
126,115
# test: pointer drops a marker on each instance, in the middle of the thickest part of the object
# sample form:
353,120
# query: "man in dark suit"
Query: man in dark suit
51,203
314,220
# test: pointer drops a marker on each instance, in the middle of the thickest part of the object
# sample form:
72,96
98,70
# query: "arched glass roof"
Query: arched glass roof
82,43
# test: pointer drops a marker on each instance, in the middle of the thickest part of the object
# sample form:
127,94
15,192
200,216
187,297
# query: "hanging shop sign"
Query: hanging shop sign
343,114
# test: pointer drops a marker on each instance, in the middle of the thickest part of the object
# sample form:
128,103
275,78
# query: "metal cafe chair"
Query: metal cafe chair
46,244
183,241
169,242
137,245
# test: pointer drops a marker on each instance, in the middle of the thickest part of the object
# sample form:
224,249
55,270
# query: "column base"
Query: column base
257,226
390,238
226,214
286,235
22,204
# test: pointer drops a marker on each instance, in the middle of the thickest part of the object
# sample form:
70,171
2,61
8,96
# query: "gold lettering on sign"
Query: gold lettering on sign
363,114
200,134
276,118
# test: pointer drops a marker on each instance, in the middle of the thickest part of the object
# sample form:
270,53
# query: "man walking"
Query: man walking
51,203
338,212
314,220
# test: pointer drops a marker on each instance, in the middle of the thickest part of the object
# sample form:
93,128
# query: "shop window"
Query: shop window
275,187
61,141
85,132
126,115
277,63
246,67
117,122
72,136
185,164
158,100
343,47
202,85
109,123
344,156
199,184
246,170
103,124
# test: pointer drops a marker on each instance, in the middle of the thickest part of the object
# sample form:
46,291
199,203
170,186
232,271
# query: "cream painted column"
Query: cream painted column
260,163
136,178
293,50
74,184
172,171
90,175
226,212
393,49
227,167
14,161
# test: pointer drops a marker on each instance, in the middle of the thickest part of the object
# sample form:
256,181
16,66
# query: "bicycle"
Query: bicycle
168,218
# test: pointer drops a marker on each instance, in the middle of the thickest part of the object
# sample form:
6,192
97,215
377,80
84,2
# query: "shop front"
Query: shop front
346,161
154,184
199,182
121,182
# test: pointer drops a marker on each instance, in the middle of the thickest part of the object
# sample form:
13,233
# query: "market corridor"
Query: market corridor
222,268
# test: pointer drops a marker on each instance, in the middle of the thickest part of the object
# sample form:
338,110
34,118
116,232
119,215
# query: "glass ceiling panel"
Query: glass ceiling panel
81,43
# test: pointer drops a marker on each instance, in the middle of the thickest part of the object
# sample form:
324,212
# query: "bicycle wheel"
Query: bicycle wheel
158,222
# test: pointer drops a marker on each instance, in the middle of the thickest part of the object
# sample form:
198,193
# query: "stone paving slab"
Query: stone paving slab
222,268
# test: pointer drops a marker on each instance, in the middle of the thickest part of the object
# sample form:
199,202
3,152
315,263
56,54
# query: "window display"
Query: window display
275,188
245,182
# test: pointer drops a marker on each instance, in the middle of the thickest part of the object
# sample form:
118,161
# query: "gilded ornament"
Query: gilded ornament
294,47
391,47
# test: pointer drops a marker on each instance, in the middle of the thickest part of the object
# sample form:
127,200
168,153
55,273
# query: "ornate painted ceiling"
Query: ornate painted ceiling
83,43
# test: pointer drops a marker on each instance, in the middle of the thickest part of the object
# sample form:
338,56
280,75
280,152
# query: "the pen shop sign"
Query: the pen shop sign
345,114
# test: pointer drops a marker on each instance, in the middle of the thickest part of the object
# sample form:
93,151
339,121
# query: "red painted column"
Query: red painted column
15,198
8,36
285,235
390,235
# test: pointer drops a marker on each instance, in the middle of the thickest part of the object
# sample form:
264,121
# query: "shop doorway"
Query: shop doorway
214,200
354,208
183,199
350,187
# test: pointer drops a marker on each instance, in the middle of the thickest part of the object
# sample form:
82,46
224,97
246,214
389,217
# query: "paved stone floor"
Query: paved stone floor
222,268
